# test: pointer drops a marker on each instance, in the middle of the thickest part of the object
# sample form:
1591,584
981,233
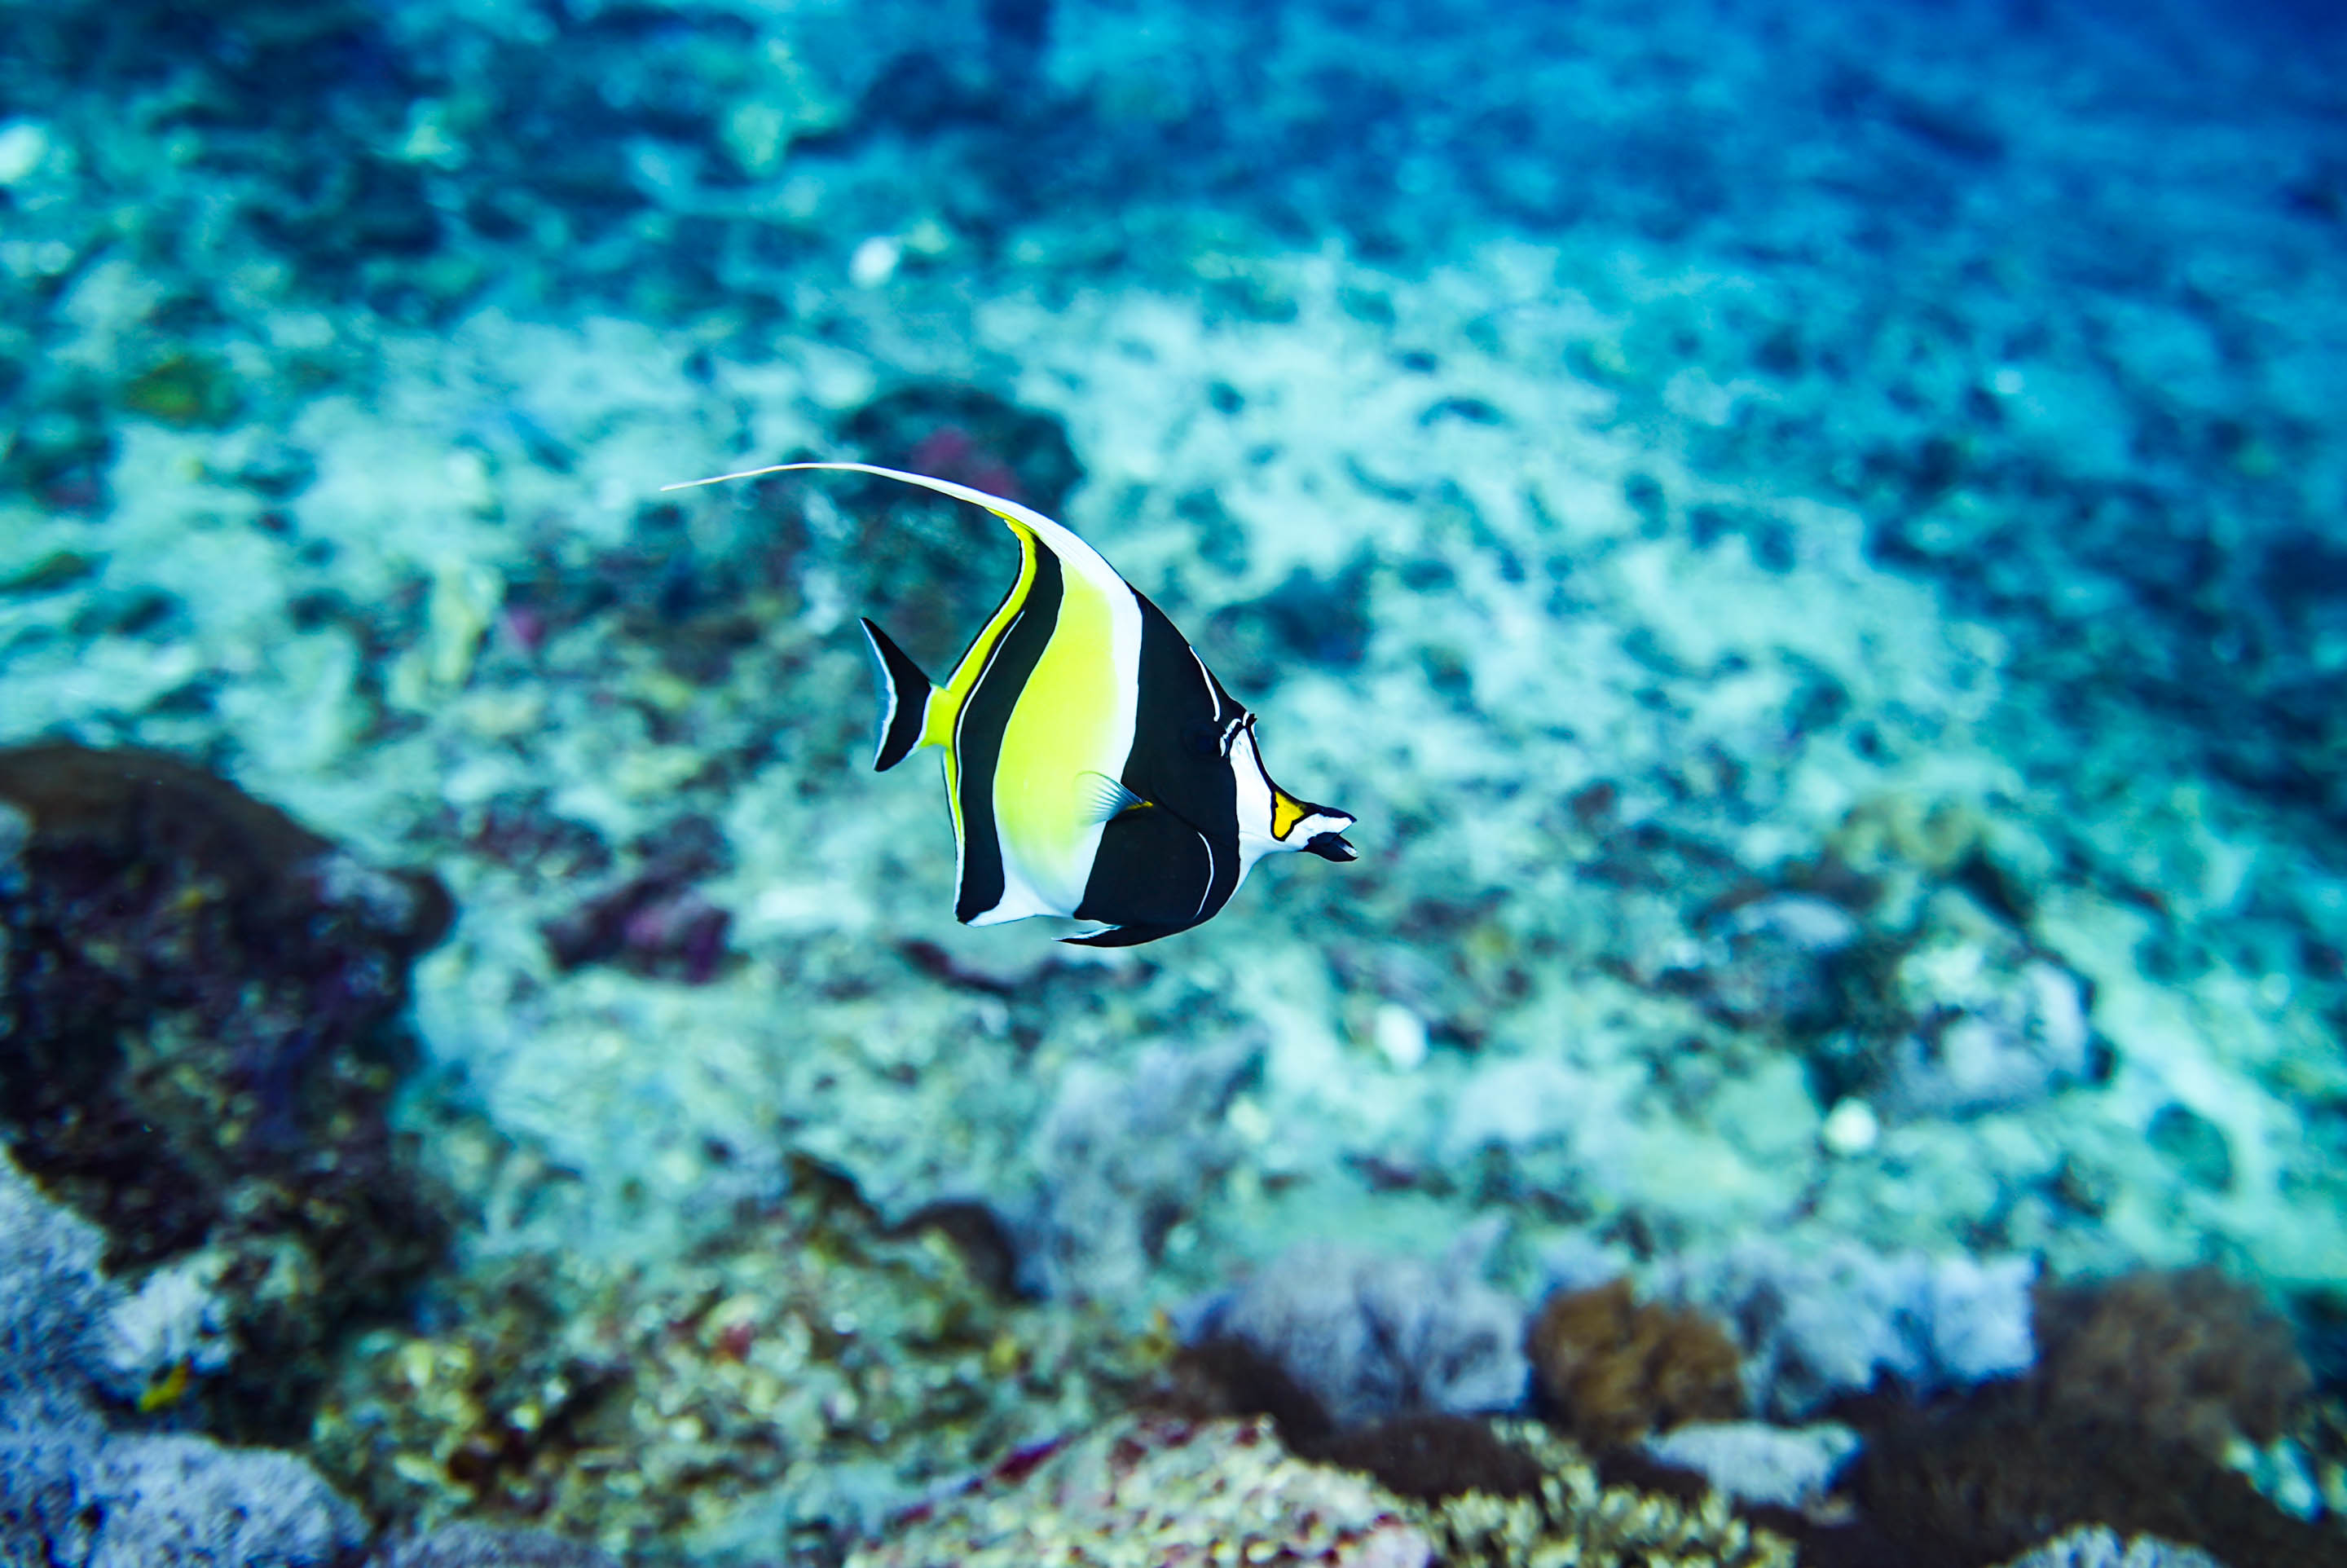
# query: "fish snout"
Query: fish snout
1332,846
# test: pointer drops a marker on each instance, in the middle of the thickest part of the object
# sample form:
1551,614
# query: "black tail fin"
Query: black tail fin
905,700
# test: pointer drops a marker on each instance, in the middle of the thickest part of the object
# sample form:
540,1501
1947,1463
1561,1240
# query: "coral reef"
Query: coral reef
804,1352
1609,1368
1446,1490
1427,1459
1959,1013
202,1002
2148,1391
1571,1516
1219,1377
1154,1489
1814,1323
1812,537
1373,1336
77,1488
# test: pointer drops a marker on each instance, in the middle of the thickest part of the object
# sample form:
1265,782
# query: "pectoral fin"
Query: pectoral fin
1107,798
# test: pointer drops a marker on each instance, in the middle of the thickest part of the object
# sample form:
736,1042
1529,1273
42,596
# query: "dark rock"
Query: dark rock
971,437
58,452
520,831
275,469
1774,960
201,1001
1428,1458
1469,410
1223,1375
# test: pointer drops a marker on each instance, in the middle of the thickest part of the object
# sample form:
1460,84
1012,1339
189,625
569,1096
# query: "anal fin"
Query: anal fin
1131,936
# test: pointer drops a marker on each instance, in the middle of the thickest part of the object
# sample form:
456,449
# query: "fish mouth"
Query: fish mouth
1332,846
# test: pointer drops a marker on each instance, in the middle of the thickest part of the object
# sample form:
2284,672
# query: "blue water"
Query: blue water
1809,536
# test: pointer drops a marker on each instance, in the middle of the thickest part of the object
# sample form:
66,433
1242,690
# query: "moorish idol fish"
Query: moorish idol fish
1094,766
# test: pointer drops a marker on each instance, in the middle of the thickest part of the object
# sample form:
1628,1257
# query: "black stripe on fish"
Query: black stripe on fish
978,735
1175,863
1153,872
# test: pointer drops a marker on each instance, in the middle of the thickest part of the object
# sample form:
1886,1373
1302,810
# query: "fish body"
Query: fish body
1094,766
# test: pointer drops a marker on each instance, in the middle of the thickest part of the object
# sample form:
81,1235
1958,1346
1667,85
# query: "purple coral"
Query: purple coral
1372,1336
1828,1320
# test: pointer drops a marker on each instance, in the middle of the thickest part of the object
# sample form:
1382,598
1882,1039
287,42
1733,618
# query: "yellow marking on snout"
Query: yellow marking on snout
1286,811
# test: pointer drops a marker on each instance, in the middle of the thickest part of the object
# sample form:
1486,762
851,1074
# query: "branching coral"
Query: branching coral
1158,1489
1571,1517
1153,1489
794,1354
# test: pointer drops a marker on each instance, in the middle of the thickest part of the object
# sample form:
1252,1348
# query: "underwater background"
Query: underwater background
1812,537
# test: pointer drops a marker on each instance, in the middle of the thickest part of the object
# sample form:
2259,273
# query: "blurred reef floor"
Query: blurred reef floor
1808,536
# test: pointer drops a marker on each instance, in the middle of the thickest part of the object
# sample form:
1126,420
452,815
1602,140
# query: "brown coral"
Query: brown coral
2186,1354
1610,1370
